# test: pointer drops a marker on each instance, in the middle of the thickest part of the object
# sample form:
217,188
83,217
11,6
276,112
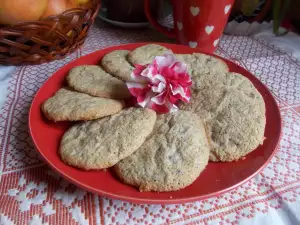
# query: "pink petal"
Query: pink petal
159,88
172,107
136,75
165,60
159,108
138,70
157,78
159,99
185,78
179,67
182,98
144,100
177,89
181,93
137,89
186,97
173,99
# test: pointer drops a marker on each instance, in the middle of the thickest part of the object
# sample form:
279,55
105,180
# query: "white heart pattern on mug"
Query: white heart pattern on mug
216,42
179,25
193,44
194,10
209,29
226,9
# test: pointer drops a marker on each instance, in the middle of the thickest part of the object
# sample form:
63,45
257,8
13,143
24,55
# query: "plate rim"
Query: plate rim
144,200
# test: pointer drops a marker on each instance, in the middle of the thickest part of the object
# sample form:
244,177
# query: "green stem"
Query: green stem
276,16
280,9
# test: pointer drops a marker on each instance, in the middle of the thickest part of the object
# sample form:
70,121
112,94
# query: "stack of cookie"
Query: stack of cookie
224,121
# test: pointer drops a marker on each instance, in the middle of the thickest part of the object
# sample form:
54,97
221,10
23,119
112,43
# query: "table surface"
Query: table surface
31,193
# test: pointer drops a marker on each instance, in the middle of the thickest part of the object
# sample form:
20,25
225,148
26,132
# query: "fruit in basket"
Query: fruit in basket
13,11
55,7
78,2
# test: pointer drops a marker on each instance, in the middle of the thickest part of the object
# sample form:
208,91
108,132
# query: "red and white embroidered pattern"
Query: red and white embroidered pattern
30,193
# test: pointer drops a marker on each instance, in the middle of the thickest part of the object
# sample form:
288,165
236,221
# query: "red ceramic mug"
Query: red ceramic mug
197,23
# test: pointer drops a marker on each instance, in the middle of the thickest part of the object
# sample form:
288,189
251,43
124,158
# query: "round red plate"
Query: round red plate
215,179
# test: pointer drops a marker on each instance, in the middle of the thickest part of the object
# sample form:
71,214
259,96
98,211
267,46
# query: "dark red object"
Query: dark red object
198,23
216,179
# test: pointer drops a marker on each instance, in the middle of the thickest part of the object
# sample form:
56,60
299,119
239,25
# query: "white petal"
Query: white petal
148,97
158,100
180,67
148,72
160,88
138,79
158,78
178,90
165,60
172,107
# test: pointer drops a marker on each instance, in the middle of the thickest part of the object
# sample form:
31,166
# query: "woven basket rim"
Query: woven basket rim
47,39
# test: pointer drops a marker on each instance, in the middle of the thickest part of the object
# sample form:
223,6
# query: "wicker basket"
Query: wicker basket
48,39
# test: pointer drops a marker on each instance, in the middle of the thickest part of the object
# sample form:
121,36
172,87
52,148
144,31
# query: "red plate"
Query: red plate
217,178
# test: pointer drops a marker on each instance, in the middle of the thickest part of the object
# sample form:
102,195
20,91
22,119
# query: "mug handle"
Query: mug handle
167,31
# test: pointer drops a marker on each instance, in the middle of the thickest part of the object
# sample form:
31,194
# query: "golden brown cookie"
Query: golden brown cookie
101,143
234,112
171,158
68,105
116,64
93,80
145,54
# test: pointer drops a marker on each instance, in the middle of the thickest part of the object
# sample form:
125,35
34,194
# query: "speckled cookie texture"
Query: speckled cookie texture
234,112
201,64
101,143
171,158
116,64
68,105
146,53
93,80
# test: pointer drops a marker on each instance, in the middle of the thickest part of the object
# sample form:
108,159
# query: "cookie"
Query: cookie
101,143
145,54
201,64
234,112
68,105
116,64
93,80
171,158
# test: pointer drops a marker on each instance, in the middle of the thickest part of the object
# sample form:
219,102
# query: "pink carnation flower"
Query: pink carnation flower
161,84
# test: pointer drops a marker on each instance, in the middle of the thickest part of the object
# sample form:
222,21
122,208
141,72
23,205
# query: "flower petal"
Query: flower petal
150,71
172,107
157,78
159,108
137,89
160,84
159,88
165,60
144,100
179,67
136,74
159,99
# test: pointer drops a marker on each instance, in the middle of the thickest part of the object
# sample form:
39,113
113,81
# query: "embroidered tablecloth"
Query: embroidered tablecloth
31,193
